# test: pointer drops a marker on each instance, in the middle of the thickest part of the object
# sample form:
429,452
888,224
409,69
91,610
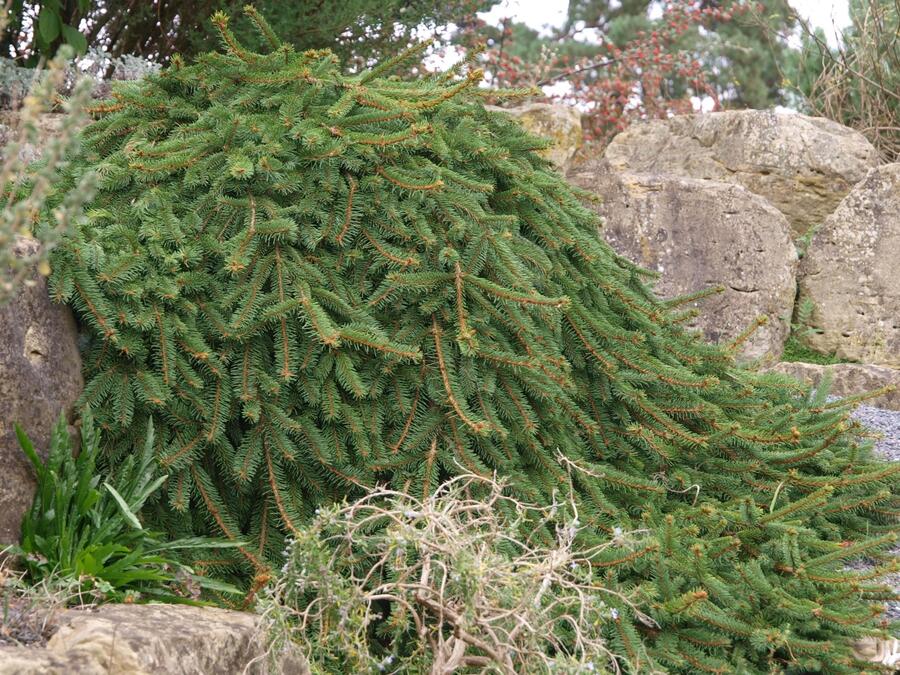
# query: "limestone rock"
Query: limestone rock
699,234
149,639
850,272
48,125
849,379
560,123
803,165
40,377
882,651
28,661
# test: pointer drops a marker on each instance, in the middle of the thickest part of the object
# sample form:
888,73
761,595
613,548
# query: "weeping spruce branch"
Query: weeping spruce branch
314,283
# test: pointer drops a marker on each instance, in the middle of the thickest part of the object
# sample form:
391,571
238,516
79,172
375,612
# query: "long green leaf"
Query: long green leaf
29,451
142,497
199,542
126,511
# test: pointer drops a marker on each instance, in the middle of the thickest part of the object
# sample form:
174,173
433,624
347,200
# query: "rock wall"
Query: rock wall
665,198
40,378
40,367
47,126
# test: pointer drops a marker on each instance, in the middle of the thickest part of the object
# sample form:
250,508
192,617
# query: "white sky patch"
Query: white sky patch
703,104
829,15
544,15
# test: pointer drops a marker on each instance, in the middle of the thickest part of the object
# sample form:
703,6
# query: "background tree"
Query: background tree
36,29
622,60
736,50
355,29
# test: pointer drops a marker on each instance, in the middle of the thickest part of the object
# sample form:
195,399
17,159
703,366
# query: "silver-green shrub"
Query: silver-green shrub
25,186
392,583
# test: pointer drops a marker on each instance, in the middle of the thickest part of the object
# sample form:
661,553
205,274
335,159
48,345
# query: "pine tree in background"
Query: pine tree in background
313,283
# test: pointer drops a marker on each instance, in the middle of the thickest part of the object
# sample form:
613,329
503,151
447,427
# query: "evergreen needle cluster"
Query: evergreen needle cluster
315,282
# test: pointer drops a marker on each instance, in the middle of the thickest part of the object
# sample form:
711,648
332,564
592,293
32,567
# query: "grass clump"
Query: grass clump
89,534
796,347
795,350
857,81
29,609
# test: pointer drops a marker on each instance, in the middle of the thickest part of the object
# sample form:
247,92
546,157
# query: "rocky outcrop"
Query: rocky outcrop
803,165
149,639
559,123
850,272
40,378
849,379
699,234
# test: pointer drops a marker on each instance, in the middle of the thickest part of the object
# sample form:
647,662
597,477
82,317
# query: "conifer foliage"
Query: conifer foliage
313,283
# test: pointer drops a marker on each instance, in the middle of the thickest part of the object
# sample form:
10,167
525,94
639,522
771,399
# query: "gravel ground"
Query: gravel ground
886,422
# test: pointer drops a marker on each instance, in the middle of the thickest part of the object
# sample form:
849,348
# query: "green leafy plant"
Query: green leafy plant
79,529
796,350
58,24
315,283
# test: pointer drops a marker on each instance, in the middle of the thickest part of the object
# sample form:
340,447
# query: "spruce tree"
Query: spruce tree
313,283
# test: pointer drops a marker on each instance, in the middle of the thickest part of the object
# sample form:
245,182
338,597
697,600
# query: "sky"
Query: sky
826,14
